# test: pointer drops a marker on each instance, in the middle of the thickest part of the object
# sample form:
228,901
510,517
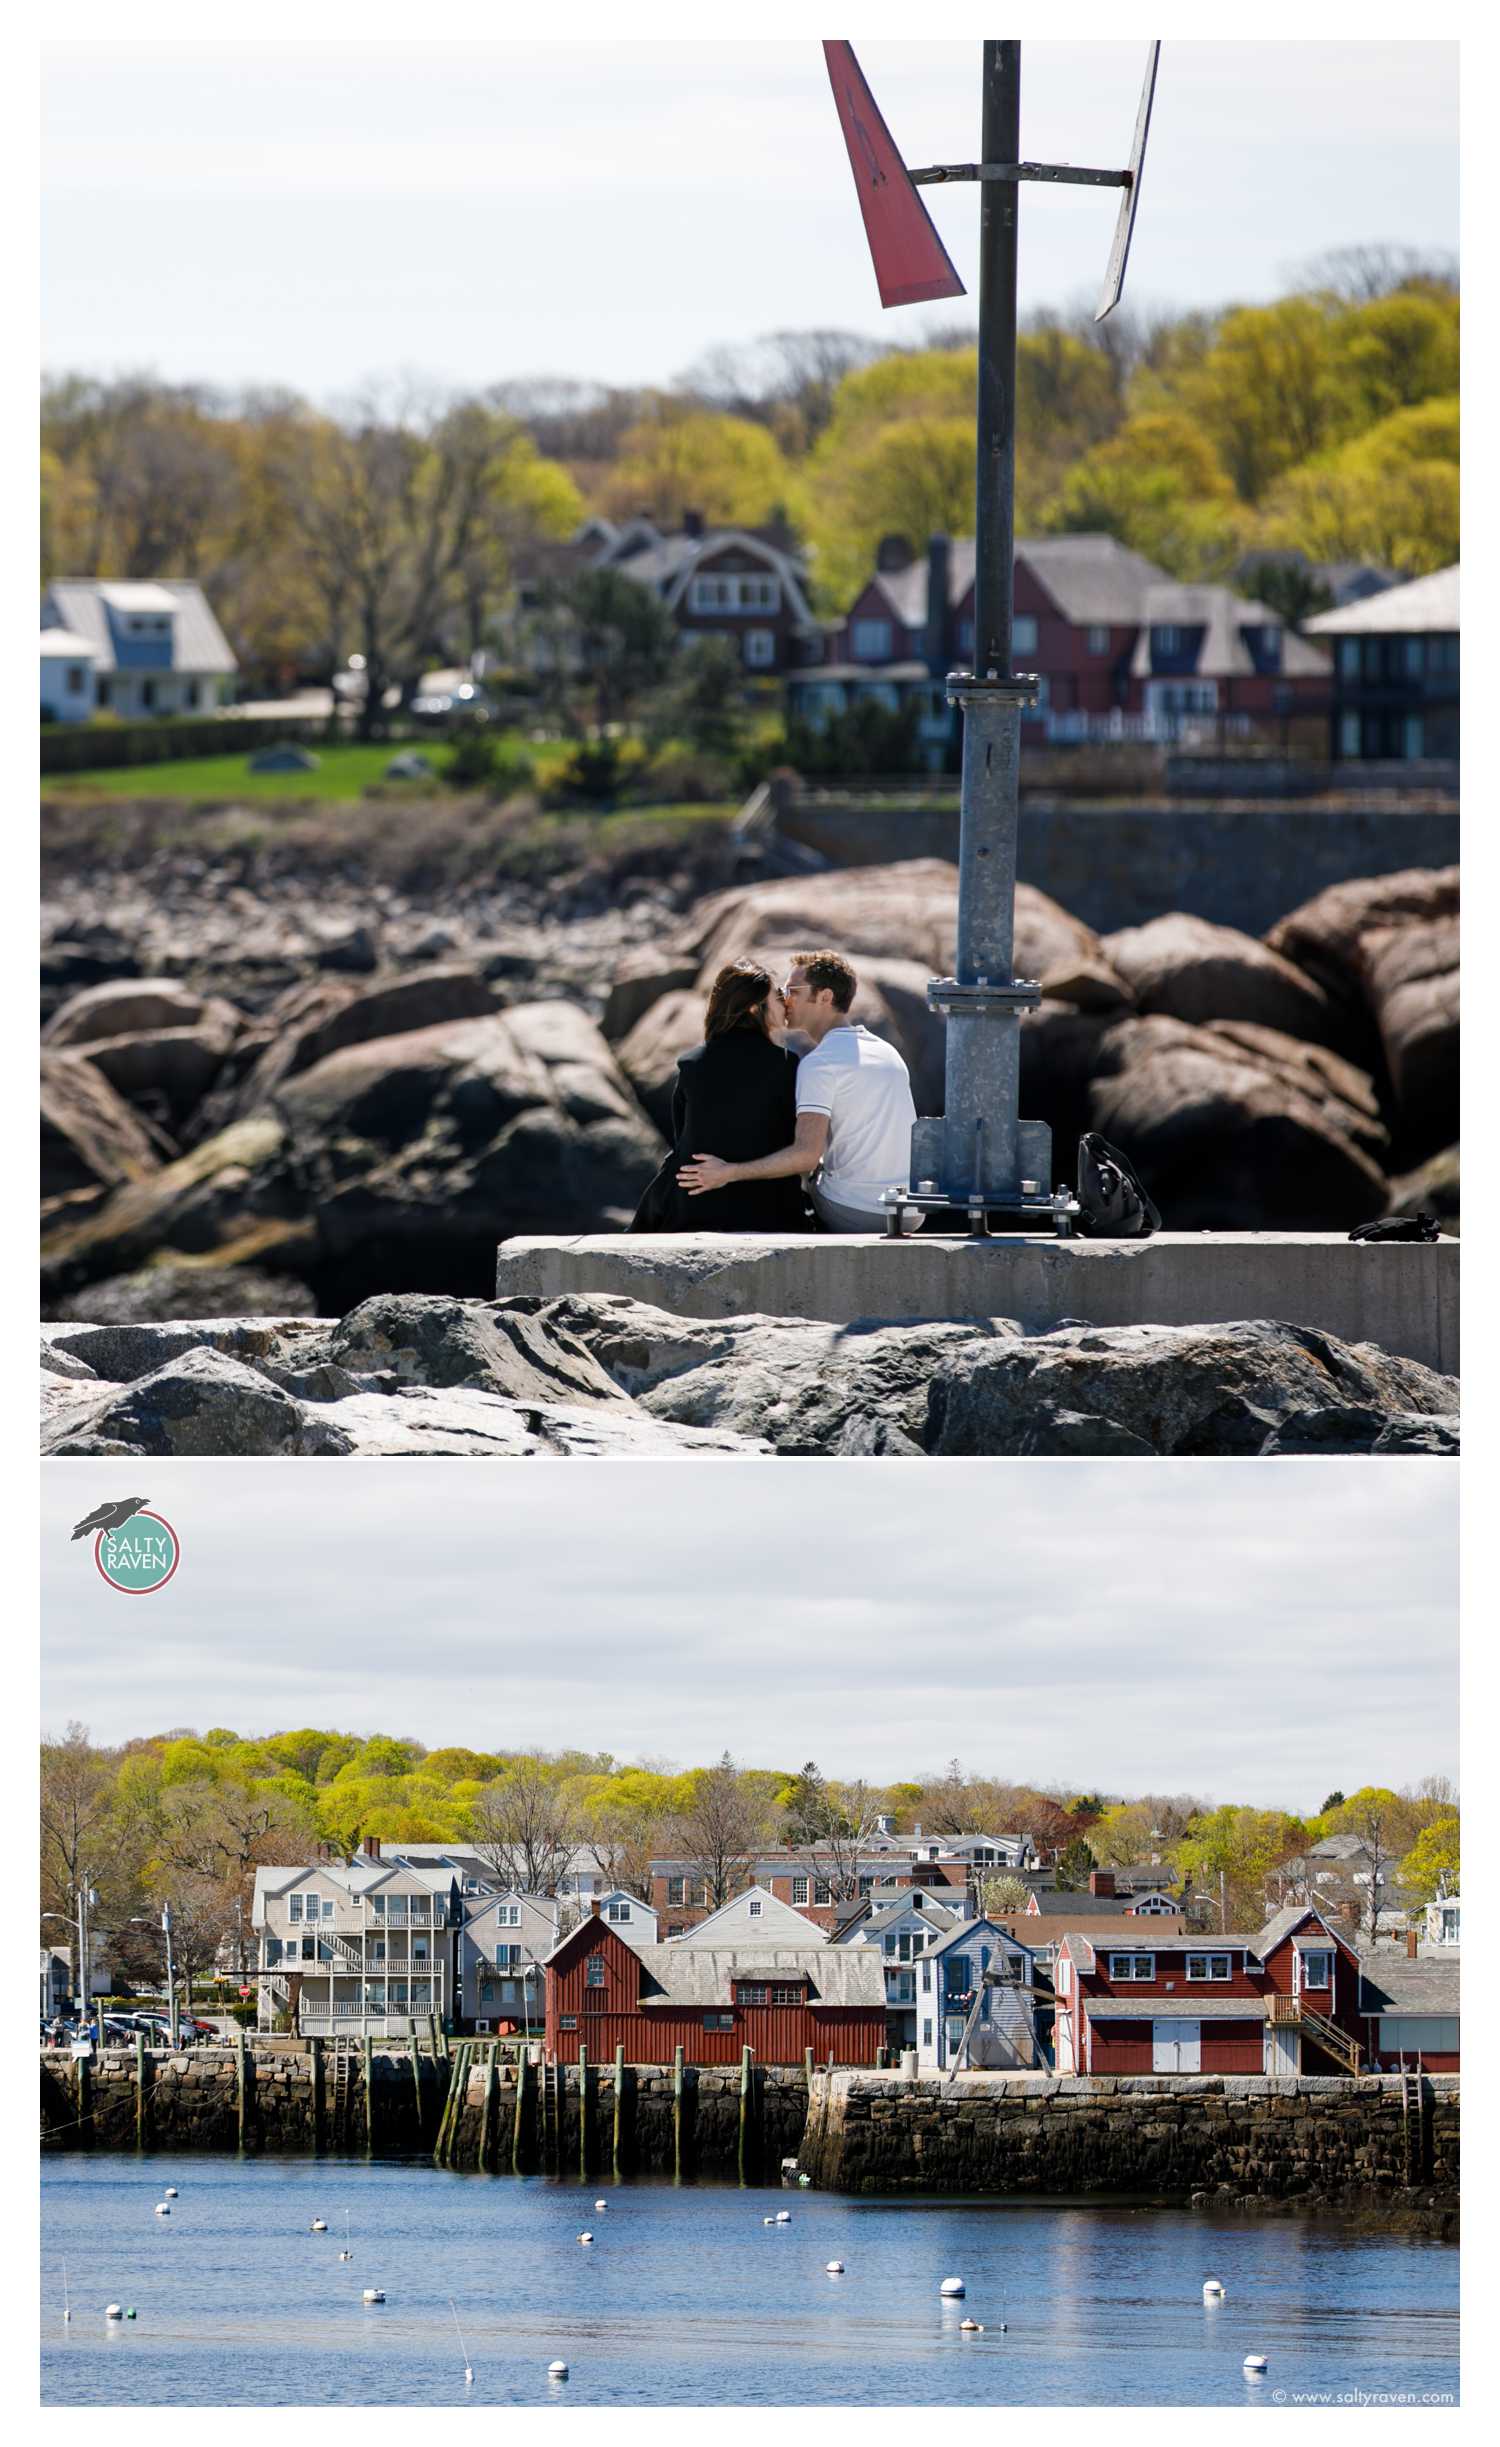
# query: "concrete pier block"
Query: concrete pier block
1401,1295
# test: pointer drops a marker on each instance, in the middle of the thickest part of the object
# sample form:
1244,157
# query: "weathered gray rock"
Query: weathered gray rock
801,1384
230,1198
1354,1427
1180,1389
1411,979
1434,1187
1193,971
1324,937
186,1287
906,912
423,1339
125,1352
167,1068
463,1421
201,1404
58,1362
642,977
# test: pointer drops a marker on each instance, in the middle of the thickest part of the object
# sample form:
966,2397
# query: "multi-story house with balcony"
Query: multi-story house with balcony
503,1941
1282,2002
347,1948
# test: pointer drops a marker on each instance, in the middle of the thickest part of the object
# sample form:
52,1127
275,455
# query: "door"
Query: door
1282,2051
1176,2047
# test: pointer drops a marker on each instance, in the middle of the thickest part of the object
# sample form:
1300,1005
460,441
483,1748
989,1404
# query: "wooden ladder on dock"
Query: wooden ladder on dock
1412,2117
343,2059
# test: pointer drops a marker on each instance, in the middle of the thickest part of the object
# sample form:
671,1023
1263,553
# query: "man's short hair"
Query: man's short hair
830,972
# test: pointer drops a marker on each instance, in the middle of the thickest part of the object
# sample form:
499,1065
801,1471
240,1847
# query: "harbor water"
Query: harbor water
688,2297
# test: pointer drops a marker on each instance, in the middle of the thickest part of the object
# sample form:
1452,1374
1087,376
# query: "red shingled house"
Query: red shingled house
1285,2001
711,2001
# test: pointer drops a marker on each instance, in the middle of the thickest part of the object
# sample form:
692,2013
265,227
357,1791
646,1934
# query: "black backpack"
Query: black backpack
1420,1226
1115,1202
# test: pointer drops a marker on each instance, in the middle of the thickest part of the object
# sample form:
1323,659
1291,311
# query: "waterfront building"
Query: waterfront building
711,2001
1395,671
900,1926
503,1941
755,1917
140,650
350,1948
976,2001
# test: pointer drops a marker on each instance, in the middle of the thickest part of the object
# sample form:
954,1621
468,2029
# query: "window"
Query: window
677,1890
593,1971
1413,657
889,1945
870,641
1166,640
294,1907
676,1928
1209,1967
760,648
1348,734
1348,658
927,1979
487,1992
1411,735
1132,1966
1098,641
867,1886
718,2022
786,1995
567,2022
1023,633
751,1992
1411,2034
74,679
1317,1970
799,1890
617,1912
755,1907
1064,1975
148,693
513,1915
822,1891
927,2034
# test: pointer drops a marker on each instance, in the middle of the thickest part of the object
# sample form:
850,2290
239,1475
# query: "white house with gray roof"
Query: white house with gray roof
502,1944
901,1928
143,649
349,1948
754,1917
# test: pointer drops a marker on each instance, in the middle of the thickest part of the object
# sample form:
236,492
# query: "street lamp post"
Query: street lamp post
172,2026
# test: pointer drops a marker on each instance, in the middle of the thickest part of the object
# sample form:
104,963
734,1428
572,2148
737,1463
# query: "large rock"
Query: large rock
907,912
1193,971
423,1339
134,1006
165,1069
91,1140
232,1199
1237,1127
175,1286
462,1422
1411,979
1325,936
641,979
1217,1389
201,1404
649,1053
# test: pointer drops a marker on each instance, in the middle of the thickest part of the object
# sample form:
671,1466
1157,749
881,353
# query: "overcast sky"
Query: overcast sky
1260,1632
314,213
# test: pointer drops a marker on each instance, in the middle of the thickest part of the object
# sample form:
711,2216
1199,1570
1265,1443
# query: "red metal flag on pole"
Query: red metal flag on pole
911,261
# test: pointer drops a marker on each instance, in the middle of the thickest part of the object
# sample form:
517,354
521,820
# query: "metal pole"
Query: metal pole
979,1154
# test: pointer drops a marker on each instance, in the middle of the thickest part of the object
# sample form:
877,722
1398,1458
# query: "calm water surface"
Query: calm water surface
686,2298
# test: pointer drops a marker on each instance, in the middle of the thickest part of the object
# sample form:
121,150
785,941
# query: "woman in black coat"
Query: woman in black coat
736,1093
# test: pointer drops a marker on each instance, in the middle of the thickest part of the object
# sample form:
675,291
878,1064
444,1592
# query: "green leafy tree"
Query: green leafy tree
1431,1867
1074,1863
680,459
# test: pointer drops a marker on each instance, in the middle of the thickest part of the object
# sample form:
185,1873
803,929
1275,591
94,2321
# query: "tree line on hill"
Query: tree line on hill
1325,422
186,1818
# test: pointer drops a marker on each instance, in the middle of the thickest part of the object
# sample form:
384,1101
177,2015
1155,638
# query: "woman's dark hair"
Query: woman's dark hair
738,999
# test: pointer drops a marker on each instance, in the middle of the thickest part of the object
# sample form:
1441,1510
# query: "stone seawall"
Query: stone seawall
1379,2141
1115,866
1233,2138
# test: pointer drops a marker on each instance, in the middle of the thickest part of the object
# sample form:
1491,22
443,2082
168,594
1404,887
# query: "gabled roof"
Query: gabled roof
1094,580
1390,1982
779,1922
675,1974
64,642
968,1933
84,605
1424,605
1084,1906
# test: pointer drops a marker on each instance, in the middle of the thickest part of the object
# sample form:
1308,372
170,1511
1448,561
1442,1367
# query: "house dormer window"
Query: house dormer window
1132,1966
617,1911
1317,1969
1210,1967
1166,639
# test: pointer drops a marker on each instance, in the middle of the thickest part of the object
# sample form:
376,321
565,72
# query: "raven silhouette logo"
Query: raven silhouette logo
111,1516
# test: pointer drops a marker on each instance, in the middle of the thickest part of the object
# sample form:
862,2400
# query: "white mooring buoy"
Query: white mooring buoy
1213,2292
163,2209
1255,2364
835,2268
601,2204
783,2217
557,2370
970,2328
169,2192
319,2226
374,2294
585,2237
114,2311
953,2287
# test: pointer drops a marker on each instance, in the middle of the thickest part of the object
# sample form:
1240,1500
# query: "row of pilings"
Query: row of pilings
589,2121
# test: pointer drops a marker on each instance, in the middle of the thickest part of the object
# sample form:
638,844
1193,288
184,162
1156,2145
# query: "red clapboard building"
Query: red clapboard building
1285,2001
711,2001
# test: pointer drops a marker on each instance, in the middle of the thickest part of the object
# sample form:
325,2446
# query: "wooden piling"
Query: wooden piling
677,2115
241,2092
619,2112
319,2096
523,2067
416,2076
84,2100
369,2066
747,2079
583,2114
487,2119
140,2090
807,2072
452,2107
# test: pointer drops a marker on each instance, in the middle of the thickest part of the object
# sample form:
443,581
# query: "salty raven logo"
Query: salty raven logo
111,1516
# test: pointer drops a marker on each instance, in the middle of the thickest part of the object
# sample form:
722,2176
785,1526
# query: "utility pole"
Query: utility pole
978,1159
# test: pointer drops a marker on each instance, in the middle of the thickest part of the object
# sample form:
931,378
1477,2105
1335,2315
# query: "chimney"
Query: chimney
594,1907
692,522
1411,1945
937,639
893,552
1101,1881
372,1847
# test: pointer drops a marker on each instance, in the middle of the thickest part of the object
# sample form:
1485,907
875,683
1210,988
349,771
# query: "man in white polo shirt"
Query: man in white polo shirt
854,1108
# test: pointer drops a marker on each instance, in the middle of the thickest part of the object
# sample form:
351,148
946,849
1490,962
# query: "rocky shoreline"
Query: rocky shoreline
265,1096
607,1376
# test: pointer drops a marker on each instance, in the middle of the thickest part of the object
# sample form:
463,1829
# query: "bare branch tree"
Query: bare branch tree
522,1828
720,1833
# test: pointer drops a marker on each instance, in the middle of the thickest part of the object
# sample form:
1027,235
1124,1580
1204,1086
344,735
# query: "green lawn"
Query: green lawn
346,770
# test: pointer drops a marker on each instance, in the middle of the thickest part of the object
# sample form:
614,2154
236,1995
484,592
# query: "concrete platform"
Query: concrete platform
1402,1295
